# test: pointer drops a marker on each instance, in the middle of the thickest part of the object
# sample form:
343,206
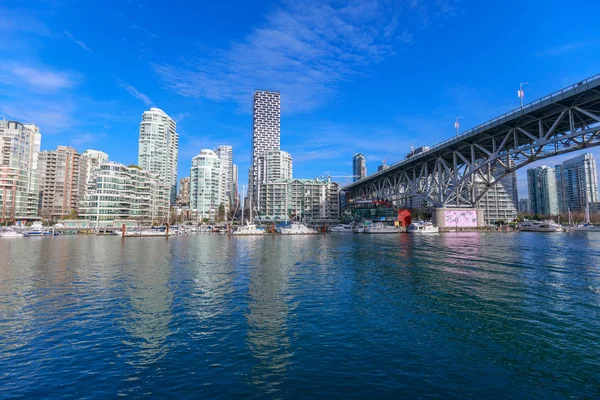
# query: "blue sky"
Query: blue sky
355,76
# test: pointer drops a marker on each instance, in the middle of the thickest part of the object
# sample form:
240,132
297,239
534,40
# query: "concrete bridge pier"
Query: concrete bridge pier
464,218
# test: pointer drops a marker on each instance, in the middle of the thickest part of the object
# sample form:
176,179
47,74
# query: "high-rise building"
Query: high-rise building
19,151
265,133
235,195
272,165
205,184
159,147
183,198
541,185
359,166
225,154
577,183
121,192
382,167
524,207
310,200
59,182
88,167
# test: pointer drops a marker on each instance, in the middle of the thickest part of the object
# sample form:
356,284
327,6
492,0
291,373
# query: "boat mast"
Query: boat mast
587,213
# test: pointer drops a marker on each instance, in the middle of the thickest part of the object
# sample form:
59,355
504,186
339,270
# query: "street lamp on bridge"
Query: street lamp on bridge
521,93
457,125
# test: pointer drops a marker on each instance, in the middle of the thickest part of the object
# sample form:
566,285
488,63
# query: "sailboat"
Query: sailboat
587,226
248,229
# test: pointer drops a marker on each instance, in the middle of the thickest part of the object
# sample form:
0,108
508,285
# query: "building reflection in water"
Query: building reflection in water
147,314
269,309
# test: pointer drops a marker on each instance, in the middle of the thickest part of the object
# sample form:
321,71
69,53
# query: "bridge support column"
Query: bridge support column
458,217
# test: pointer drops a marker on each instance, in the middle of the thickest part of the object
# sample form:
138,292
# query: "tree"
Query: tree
72,215
221,212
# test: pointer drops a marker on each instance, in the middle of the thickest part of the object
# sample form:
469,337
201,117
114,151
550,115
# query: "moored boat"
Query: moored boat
422,227
343,228
11,234
540,226
381,228
37,229
249,230
586,226
296,228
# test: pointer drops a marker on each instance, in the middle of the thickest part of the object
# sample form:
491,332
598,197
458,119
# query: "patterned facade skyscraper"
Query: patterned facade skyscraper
265,133
359,167
159,147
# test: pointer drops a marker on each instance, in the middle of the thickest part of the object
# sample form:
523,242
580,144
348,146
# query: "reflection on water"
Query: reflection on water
147,306
320,316
268,310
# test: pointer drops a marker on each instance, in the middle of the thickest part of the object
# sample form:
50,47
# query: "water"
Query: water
446,316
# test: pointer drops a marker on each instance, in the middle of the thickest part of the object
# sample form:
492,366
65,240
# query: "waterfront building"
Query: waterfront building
266,115
205,184
509,181
19,152
310,200
159,147
382,167
496,203
541,185
225,154
88,166
359,167
524,207
126,192
59,182
183,198
272,165
577,183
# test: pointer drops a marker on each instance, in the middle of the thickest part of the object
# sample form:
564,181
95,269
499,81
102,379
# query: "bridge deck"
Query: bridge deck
584,91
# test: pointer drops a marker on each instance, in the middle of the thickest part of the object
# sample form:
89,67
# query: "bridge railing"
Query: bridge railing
534,105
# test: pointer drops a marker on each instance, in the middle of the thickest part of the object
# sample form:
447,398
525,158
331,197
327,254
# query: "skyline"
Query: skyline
339,93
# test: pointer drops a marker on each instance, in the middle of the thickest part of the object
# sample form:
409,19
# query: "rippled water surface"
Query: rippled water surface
447,316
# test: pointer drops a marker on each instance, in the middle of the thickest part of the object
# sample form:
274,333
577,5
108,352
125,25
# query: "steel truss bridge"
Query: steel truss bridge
446,175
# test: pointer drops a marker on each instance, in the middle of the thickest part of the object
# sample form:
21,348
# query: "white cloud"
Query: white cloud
36,78
136,93
303,49
78,42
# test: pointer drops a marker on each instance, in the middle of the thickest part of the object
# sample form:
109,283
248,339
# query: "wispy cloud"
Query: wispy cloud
78,42
136,93
36,78
51,117
566,48
144,30
303,49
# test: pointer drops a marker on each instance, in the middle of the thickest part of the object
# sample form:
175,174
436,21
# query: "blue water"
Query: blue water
460,315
